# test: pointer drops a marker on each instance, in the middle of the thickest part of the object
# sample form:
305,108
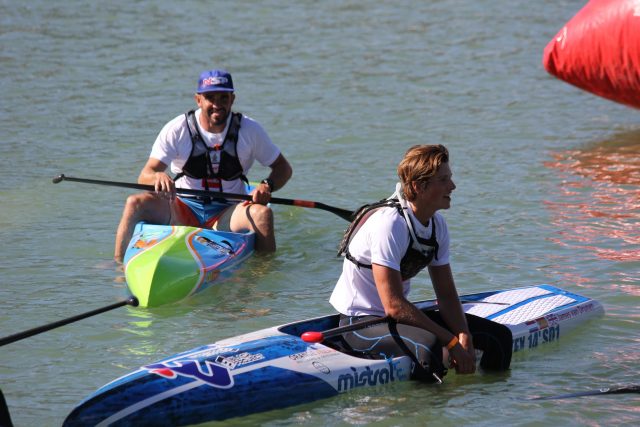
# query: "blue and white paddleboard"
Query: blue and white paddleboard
274,368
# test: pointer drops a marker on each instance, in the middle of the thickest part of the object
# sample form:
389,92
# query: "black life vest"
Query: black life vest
413,260
199,165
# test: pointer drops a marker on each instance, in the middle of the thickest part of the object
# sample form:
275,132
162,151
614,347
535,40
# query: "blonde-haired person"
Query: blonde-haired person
387,244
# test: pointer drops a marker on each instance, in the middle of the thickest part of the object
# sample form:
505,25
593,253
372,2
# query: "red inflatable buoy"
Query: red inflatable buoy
598,50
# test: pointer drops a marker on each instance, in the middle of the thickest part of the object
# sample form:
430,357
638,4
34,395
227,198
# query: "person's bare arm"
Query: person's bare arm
281,172
453,315
154,173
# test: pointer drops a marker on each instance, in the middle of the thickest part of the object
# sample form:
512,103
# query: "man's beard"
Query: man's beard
218,118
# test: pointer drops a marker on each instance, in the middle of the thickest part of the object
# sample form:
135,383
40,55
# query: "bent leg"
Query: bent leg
391,339
139,207
254,217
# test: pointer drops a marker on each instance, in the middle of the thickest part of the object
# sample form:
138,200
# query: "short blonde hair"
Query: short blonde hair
420,163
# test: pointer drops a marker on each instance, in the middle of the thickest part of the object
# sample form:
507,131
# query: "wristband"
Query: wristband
269,183
452,343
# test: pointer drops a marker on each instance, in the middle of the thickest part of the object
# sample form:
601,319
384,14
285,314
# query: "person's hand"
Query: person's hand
261,194
164,185
463,355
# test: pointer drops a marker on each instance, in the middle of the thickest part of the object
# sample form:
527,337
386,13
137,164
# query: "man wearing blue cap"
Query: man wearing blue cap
210,148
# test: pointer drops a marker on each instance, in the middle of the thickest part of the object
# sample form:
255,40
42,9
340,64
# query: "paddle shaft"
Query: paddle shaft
611,390
316,337
133,301
342,213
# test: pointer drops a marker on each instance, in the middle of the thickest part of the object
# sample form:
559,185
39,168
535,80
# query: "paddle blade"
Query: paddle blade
312,337
5,418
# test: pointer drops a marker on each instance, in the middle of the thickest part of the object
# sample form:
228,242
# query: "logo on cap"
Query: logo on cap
213,81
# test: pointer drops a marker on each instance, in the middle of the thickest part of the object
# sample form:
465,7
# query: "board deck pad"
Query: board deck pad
524,305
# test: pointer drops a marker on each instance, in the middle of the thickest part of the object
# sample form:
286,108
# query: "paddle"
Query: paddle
133,301
342,213
5,418
608,390
316,337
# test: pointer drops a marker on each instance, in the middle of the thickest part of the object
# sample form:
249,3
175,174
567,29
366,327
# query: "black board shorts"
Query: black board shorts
391,339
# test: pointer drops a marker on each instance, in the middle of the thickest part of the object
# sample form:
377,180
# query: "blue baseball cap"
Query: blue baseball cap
215,81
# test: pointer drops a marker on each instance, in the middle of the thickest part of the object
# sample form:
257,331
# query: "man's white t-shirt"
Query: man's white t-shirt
383,239
173,146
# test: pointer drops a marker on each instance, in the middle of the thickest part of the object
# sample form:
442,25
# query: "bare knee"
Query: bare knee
261,215
147,207
134,202
259,219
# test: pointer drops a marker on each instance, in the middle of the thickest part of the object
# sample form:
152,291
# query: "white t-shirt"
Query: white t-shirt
173,146
383,239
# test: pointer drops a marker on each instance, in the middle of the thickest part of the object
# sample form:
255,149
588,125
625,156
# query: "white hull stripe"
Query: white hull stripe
148,402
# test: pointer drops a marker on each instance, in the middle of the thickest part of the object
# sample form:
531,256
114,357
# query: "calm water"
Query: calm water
548,187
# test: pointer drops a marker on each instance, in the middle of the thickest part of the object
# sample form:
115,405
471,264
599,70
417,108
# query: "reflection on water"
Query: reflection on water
569,273
615,160
597,207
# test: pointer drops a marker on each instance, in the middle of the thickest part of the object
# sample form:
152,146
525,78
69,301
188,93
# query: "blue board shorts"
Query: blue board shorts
196,213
